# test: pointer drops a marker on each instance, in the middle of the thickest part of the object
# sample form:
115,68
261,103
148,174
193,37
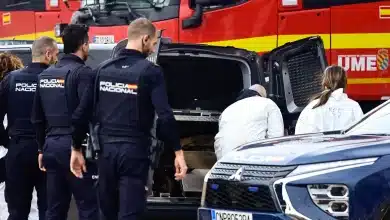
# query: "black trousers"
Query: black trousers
123,173
61,183
22,175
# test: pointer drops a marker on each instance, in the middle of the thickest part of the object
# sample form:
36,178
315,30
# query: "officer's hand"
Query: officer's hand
181,166
41,167
77,163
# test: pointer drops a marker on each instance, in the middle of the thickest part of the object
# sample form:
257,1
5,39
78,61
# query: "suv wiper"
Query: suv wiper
158,5
155,5
371,134
134,14
377,134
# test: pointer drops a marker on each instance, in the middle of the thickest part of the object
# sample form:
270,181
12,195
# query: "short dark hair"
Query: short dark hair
74,36
140,27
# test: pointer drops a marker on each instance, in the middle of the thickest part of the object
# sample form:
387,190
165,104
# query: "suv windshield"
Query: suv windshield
375,122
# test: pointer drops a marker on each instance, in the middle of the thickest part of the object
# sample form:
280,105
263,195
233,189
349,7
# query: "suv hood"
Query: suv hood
306,149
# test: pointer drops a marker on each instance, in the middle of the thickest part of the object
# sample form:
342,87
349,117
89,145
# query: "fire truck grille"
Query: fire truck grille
305,76
235,195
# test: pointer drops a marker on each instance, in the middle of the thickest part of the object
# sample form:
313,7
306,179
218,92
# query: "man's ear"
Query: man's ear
47,54
145,39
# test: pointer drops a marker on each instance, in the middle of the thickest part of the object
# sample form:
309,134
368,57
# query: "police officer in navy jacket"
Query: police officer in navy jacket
61,122
130,90
16,98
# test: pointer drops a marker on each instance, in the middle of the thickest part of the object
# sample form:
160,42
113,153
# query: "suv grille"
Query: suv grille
234,195
253,192
305,73
252,172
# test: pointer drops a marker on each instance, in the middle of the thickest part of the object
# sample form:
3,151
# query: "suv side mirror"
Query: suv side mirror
196,19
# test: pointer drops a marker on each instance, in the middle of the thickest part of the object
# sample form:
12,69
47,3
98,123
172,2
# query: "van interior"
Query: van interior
199,89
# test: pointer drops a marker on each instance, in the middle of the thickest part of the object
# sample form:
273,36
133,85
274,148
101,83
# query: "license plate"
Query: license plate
230,215
104,39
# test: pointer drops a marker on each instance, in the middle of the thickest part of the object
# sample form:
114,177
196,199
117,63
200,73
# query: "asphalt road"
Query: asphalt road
72,214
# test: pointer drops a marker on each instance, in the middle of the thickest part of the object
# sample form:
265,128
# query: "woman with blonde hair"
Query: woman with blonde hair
331,109
9,63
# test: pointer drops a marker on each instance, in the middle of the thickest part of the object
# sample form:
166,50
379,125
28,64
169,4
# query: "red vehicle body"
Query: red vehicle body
355,32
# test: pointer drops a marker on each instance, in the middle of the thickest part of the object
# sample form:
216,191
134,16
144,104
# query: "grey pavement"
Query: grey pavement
72,214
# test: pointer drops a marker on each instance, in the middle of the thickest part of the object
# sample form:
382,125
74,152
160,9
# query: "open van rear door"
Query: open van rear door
293,72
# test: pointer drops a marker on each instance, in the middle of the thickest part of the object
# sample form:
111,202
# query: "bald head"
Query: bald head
259,89
44,50
141,27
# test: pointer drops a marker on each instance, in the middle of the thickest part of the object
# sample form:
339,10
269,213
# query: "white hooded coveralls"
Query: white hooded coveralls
337,113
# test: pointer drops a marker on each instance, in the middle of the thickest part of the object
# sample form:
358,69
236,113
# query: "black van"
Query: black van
202,81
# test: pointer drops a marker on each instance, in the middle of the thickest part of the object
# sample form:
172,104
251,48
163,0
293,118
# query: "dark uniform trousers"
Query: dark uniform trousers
21,163
61,183
23,175
126,116
58,101
122,180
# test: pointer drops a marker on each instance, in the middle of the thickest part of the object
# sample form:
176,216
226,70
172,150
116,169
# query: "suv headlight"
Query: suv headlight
330,166
333,199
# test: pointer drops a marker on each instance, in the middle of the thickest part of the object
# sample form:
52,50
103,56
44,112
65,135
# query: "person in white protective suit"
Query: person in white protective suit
331,109
251,118
9,63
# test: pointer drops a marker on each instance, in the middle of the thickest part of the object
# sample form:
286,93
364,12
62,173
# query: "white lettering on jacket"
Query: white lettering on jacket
51,83
25,87
115,87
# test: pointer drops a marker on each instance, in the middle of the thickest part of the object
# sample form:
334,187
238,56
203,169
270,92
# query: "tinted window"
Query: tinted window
376,123
138,4
15,42
95,57
14,2
23,53
21,5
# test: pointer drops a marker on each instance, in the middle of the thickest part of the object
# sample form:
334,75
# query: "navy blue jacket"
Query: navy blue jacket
151,97
79,85
19,110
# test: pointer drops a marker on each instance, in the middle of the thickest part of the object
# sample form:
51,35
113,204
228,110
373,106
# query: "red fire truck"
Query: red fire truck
355,32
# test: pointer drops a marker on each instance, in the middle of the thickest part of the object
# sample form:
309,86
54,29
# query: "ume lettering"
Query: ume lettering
358,62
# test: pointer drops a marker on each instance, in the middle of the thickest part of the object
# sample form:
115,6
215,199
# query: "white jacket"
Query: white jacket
337,113
247,120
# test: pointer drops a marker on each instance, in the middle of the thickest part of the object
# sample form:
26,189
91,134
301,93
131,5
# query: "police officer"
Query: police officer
130,90
16,98
59,114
